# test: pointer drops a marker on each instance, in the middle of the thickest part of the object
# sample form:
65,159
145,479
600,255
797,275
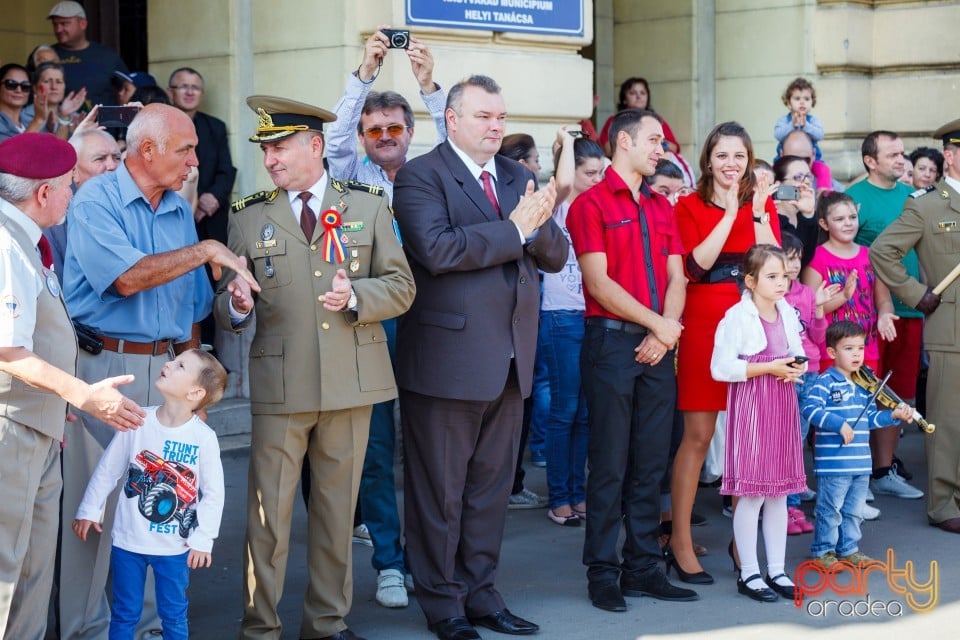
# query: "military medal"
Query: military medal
268,268
334,250
266,233
354,266
52,285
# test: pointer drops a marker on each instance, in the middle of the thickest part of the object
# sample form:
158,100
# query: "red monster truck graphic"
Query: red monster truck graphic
167,490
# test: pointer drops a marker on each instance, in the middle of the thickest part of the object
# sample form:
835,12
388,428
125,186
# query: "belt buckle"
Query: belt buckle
156,345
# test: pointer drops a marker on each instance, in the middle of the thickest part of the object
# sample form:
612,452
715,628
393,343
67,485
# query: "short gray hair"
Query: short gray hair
78,139
149,124
15,189
455,96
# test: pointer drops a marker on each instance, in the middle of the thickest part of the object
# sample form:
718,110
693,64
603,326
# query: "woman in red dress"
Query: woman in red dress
729,213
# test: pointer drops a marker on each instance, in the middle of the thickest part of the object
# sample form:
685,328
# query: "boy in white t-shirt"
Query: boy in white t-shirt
173,490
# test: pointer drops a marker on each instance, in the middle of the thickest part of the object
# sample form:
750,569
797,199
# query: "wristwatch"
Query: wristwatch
763,218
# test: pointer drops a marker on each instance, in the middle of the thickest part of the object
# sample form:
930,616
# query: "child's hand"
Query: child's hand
825,294
81,527
903,412
885,326
847,433
784,370
850,286
198,559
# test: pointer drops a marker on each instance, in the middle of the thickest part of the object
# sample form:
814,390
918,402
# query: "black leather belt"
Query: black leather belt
616,325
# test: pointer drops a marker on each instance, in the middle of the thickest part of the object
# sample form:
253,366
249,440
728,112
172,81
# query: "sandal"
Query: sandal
573,520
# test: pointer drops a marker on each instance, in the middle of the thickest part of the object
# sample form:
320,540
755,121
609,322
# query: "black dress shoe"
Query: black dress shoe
655,585
456,628
606,596
763,594
952,525
784,591
505,622
346,634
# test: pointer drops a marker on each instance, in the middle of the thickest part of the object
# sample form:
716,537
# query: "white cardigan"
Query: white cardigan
740,333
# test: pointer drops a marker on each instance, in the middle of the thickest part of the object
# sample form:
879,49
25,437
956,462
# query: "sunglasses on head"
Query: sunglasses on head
376,133
13,85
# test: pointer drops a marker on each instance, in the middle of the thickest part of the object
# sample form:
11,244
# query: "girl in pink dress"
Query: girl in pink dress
839,260
756,350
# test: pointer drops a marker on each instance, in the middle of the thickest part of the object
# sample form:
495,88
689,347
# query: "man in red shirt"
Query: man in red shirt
634,288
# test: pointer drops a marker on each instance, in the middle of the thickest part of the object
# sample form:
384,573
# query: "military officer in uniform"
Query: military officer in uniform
930,223
329,262
38,364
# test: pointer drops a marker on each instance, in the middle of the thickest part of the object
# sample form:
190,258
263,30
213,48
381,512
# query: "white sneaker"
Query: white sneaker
869,513
870,497
391,592
893,485
408,583
361,535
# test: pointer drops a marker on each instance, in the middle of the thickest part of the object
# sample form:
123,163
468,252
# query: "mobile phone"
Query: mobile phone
798,360
787,192
113,117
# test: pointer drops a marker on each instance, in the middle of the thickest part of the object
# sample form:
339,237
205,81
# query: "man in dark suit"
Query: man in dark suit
475,233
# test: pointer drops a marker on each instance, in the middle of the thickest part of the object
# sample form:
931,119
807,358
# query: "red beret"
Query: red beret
37,156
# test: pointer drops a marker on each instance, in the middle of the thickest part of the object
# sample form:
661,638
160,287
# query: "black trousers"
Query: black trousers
630,413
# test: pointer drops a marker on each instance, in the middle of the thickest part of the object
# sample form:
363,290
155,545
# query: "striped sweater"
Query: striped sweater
833,400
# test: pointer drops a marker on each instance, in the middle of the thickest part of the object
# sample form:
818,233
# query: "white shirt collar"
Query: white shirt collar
317,190
953,182
22,220
473,167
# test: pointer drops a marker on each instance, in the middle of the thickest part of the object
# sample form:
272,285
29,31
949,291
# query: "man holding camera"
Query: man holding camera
383,122
134,277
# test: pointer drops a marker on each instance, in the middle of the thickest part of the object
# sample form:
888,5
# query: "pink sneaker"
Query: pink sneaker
797,522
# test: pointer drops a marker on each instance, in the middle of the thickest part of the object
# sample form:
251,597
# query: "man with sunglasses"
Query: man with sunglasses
383,122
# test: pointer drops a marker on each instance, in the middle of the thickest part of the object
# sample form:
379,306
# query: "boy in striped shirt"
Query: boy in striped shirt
842,414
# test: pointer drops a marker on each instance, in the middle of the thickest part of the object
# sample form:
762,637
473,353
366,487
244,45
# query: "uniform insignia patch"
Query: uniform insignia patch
947,224
362,186
352,226
922,192
260,196
336,184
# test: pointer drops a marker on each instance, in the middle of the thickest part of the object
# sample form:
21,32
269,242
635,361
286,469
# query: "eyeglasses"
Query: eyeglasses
376,133
192,88
802,177
13,85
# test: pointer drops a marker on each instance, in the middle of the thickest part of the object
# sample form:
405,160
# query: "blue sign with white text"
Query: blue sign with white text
549,17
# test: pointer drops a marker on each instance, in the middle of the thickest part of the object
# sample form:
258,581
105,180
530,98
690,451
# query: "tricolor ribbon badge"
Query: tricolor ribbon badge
334,251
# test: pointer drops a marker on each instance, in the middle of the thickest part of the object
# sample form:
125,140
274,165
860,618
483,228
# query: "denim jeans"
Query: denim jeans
561,333
840,500
129,572
378,495
803,390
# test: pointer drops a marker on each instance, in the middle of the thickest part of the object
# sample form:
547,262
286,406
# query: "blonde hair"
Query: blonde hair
212,378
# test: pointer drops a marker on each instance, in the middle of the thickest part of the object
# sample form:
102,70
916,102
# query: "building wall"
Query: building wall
875,64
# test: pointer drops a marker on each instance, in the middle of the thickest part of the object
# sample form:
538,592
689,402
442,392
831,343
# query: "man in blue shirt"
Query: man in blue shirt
133,274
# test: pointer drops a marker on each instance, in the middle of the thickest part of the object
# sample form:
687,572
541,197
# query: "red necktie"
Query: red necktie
488,190
46,253
308,219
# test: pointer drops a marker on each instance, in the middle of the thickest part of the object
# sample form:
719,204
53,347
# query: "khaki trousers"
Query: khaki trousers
29,509
335,442
943,445
84,611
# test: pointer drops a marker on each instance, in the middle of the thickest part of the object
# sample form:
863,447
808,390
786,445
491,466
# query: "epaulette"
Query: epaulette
922,192
363,186
260,196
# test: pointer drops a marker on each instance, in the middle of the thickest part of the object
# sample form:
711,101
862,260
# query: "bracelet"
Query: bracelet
375,76
64,121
